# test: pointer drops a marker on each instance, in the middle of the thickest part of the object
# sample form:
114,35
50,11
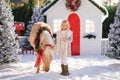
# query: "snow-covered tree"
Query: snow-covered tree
8,44
114,36
36,17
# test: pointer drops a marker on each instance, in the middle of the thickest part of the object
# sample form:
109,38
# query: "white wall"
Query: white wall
89,11
58,12
86,11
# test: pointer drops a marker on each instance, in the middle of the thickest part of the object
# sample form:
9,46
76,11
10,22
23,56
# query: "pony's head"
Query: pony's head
47,58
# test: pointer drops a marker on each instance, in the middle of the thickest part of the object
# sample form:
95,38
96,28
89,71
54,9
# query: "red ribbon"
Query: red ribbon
39,57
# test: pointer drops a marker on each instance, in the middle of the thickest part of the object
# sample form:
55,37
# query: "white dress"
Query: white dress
62,38
63,45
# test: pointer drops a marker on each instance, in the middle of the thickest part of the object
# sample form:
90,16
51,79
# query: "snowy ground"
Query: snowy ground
97,67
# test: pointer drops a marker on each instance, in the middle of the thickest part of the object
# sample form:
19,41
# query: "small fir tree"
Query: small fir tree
36,17
8,43
114,36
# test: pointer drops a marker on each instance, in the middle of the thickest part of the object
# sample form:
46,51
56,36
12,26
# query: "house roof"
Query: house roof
101,8
49,6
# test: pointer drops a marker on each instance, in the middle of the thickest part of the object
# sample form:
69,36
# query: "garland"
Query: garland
89,36
73,5
49,6
37,39
99,7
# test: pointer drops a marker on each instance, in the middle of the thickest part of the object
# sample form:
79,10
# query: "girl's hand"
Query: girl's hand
63,39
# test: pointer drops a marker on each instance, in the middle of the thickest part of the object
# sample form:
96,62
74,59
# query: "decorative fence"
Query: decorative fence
21,42
105,45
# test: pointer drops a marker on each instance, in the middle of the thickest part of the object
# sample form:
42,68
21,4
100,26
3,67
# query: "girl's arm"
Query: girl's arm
69,37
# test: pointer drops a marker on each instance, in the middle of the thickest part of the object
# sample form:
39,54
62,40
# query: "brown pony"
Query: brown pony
43,44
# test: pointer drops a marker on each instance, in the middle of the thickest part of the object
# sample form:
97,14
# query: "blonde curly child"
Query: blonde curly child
63,45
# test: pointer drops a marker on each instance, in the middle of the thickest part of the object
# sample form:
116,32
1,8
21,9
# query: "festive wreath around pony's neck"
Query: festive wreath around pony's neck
37,39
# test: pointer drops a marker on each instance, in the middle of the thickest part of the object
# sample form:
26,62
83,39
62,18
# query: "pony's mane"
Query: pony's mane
42,27
35,32
42,24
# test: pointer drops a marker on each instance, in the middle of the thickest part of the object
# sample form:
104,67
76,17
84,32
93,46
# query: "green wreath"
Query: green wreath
73,5
37,39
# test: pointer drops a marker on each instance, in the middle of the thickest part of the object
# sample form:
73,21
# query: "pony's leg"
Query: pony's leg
38,69
42,65
37,64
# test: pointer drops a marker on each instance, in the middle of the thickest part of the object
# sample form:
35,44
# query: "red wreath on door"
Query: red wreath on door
73,5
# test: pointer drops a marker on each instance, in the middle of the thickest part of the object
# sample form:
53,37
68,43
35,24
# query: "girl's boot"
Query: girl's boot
65,71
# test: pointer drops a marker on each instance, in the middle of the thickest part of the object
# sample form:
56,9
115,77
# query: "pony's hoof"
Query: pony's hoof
38,70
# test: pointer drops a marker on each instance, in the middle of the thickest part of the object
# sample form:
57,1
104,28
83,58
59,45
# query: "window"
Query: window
90,27
56,25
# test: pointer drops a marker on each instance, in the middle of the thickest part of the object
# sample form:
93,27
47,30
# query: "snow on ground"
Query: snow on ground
98,67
